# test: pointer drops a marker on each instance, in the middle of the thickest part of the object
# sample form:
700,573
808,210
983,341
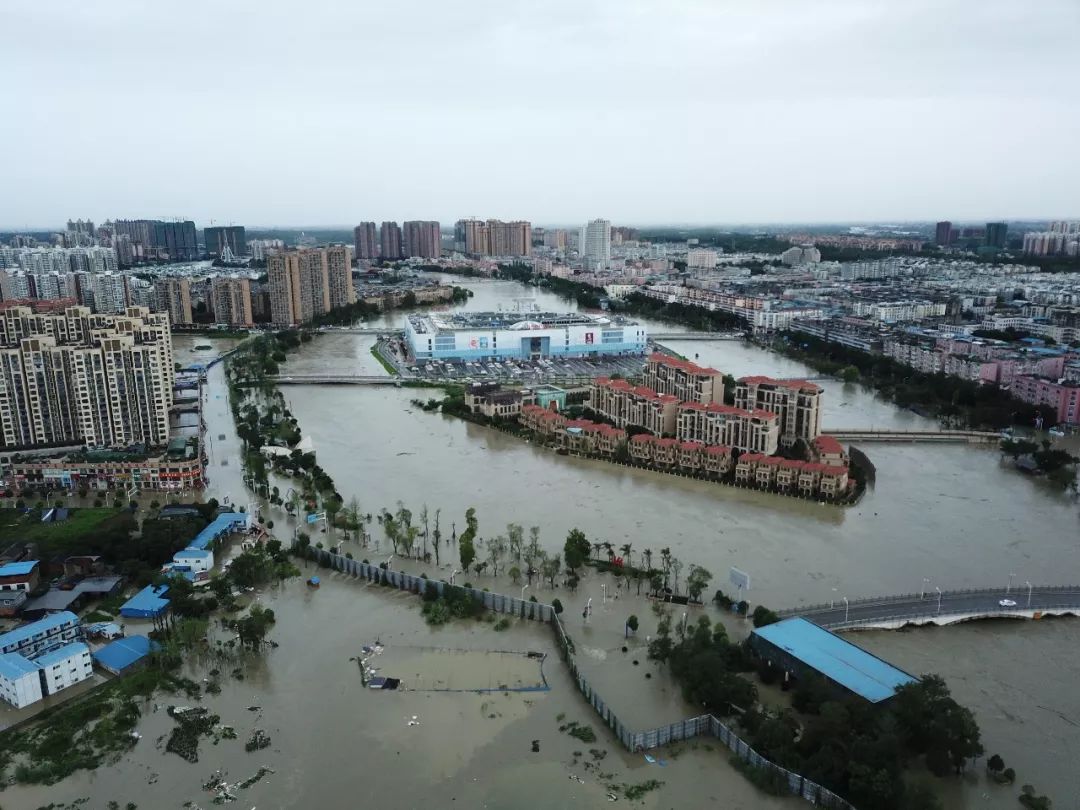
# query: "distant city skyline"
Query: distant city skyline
697,112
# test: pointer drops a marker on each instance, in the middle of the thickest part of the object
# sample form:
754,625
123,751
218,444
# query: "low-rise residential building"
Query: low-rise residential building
687,381
494,401
828,450
104,470
20,576
1062,396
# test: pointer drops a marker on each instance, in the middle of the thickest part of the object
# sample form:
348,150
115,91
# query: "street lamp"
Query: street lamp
1029,593
523,589
832,602
452,575
588,609
938,599
925,582
603,588
388,561
847,608
1009,588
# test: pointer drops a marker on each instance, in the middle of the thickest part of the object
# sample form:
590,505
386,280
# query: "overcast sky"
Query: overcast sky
710,111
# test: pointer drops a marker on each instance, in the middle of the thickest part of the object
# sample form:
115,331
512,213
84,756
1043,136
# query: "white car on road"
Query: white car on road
1007,603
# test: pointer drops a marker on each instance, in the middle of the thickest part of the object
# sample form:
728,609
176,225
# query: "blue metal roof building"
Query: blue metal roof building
17,569
224,523
14,666
124,653
798,645
146,604
37,631
60,654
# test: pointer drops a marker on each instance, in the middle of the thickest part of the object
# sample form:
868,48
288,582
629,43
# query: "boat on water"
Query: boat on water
313,582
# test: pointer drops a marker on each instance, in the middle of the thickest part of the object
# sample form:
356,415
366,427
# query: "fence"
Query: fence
634,741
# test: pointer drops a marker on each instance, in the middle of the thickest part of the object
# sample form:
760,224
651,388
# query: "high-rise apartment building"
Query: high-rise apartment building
509,238
306,283
261,248
231,301
390,246
217,238
173,295
422,239
111,292
596,244
997,234
339,276
473,235
99,380
796,403
943,233
157,239
555,238
366,241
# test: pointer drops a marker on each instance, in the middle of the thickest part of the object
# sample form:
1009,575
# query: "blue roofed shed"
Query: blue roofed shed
224,523
146,604
18,569
797,646
124,653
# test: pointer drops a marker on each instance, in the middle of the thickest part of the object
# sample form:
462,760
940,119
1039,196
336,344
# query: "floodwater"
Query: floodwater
949,513
335,743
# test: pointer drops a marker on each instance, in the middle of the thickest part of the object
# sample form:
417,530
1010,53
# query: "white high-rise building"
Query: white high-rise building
596,244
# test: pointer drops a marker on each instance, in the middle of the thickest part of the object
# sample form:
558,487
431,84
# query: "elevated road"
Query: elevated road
946,607
333,379
938,436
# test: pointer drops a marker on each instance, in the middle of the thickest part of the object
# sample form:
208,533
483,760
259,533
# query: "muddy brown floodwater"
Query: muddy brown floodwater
953,514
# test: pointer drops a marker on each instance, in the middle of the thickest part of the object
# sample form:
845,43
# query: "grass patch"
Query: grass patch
97,616
28,528
638,791
578,731
386,364
89,731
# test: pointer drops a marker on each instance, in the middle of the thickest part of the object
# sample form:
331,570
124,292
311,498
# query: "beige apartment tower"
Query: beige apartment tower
797,404
231,299
80,378
174,296
307,283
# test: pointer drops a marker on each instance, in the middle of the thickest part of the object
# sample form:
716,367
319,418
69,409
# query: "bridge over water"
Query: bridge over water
696,336
1023,601
936,436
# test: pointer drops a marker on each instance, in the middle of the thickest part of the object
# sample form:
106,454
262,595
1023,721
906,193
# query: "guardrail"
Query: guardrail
915,597
988,612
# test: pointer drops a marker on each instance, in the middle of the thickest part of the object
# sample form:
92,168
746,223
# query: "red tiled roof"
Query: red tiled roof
751,457
772,461
798,385
685,365
832,471
792,464
667,442
692,445
828,444
718,450
642,438
760,413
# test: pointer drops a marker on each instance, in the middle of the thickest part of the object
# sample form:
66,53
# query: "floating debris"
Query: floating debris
259,739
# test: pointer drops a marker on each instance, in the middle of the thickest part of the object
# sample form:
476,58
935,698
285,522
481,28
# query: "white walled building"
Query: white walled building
197,559
64,667
596,244
42,658
20,683
701,259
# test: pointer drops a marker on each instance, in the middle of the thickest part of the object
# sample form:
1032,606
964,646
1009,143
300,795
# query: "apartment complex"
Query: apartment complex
634,406
595,241
155,239
390,243
42,658
796,403
1063,396
687,381
366,241
422,239
98,380
307,283
231,301
494,237
173,295
749,431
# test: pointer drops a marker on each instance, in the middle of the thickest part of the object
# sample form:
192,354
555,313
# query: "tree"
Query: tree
466,552
995,764
436,537
646,555
576,549
532,554
661,646
557,606
676,567
763,616
551,567
496,550
631,625
515,574
424,522
515,540
696,581
253,628
626,549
